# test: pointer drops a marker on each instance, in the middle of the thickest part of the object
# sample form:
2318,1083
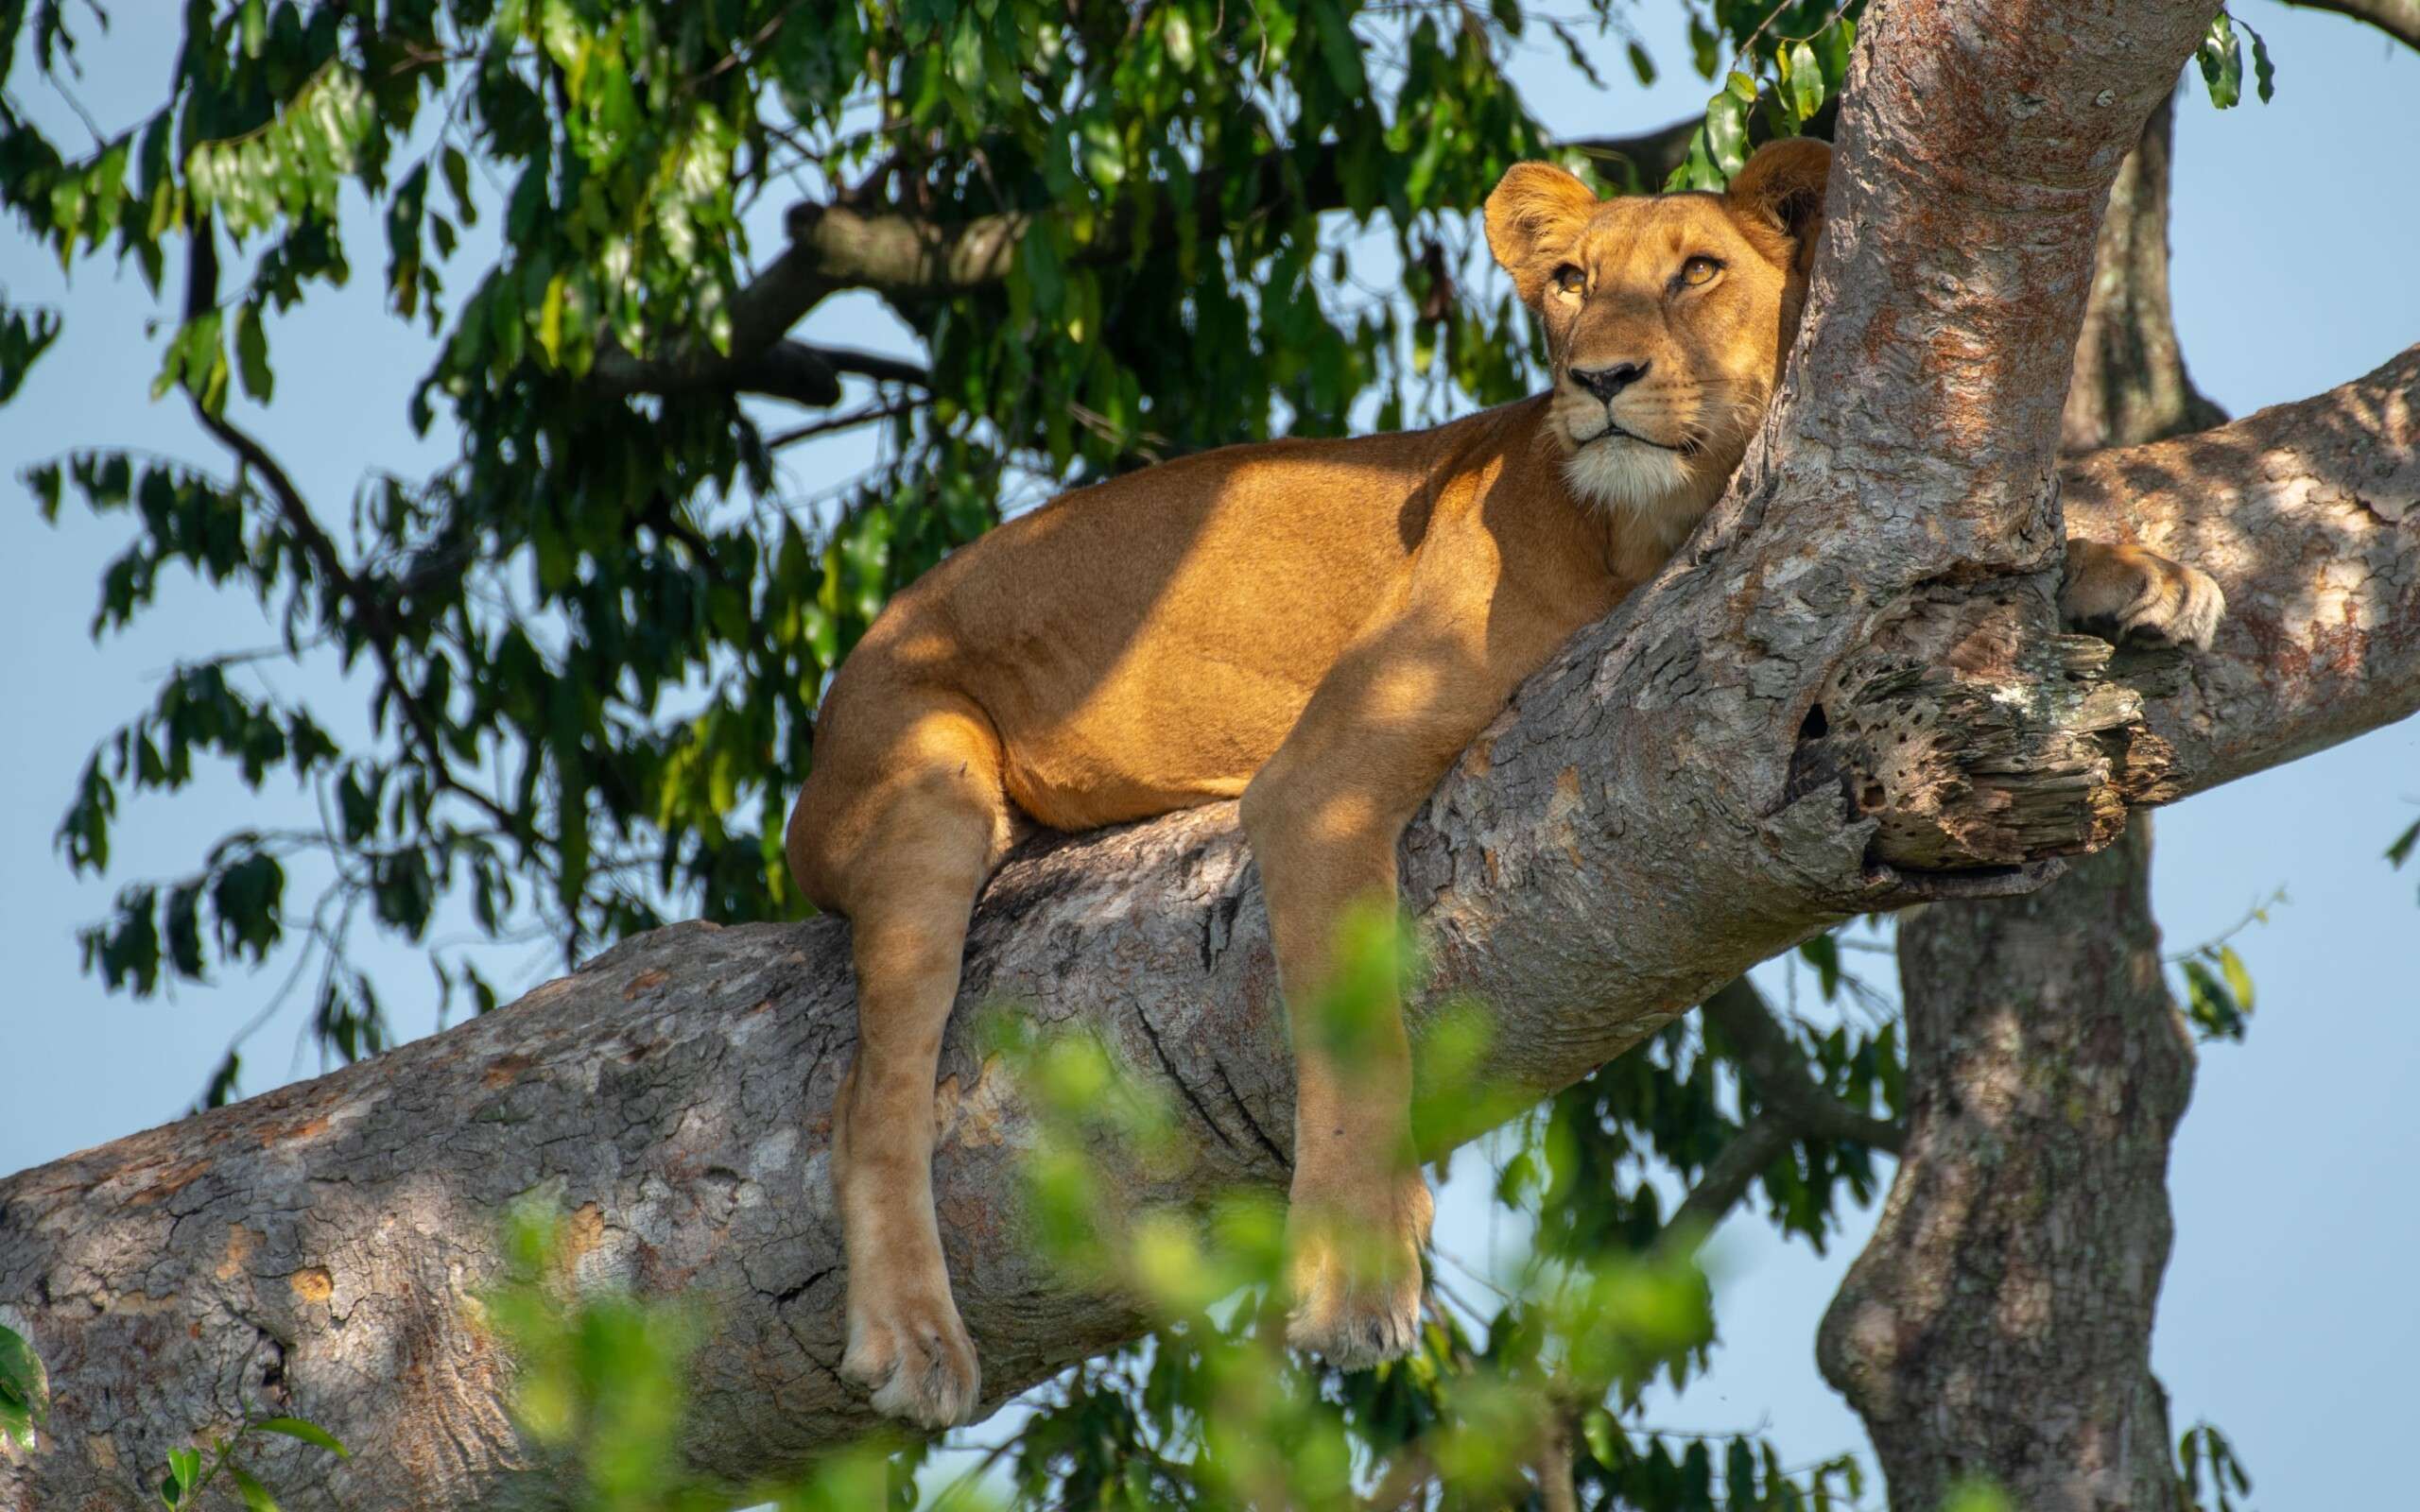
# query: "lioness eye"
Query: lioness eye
1569,278
1698,270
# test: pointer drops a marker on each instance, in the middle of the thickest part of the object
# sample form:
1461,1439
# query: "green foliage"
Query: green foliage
2399,850
1976,1496
25,1389
1788,62
2220,56
2218,986
1213,1411
2209,1478
188,1475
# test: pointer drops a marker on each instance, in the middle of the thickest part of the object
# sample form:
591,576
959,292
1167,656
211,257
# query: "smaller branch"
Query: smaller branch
2399,19
875,366
791,370
902,254
1784,1083
378,627
1727,1177
1792,1105
838,422
780,369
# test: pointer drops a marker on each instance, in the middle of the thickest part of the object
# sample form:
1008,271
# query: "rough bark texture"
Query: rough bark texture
1998,1325
2129,386
1627,836
1998,1328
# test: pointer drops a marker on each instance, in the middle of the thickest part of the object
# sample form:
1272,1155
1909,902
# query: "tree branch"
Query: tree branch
903,256
2399,19
1778,1074
370,611
789,369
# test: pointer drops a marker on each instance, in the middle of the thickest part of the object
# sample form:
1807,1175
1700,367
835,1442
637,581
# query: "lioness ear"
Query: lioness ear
1782,186
1532,218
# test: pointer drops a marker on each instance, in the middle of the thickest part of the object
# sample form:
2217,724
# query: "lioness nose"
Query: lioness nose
1606,382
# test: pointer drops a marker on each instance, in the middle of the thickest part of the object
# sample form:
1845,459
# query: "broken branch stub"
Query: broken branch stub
1970,742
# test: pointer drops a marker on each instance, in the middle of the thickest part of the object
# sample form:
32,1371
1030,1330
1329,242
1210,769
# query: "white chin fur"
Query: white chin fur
1631,478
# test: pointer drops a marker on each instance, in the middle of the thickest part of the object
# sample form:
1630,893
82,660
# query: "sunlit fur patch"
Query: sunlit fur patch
1650,484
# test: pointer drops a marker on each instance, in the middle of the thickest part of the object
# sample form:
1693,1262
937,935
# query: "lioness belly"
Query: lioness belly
1146,644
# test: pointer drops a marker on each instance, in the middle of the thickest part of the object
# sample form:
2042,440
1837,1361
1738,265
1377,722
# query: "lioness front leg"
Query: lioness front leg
1324,817
2122,591
1358,1209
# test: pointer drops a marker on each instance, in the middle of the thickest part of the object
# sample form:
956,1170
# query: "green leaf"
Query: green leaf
251,353
184,1467
310,1433
257,1497
2238,980
2264,71
2396,854
1641,66
2220,55
1340,47
24,1388
1726,131
1802,79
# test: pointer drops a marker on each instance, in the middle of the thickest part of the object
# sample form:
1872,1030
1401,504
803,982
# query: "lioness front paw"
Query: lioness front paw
2124,591
1356,1274
908,1348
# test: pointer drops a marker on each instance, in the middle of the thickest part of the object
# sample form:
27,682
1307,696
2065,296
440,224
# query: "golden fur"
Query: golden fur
1318,628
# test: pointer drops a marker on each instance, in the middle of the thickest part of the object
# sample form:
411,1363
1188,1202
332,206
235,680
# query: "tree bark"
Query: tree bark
1656,811
1997,1326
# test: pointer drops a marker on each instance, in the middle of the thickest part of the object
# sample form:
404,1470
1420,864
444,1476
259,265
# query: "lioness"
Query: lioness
1321,627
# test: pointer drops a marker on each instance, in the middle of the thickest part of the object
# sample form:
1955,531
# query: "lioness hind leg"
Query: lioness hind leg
910,829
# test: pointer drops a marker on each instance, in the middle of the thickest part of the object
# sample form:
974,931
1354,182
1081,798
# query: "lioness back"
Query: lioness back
1144,645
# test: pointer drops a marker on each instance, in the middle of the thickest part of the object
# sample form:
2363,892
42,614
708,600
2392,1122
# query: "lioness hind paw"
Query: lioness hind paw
2185,611
2125,592
916,1364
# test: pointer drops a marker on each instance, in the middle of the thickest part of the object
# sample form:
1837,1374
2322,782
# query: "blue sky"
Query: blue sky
2288,1316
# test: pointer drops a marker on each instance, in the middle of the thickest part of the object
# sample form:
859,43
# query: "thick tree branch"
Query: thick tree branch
1999,1323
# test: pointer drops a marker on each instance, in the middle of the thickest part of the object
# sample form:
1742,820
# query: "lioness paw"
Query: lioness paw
1356,1275
2125,590
909,1350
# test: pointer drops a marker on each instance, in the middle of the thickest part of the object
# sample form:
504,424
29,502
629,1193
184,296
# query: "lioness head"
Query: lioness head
1666,318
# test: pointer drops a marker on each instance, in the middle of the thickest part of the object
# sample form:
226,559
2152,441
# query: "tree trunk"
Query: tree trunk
1998,1328
1998,1325
1658,809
